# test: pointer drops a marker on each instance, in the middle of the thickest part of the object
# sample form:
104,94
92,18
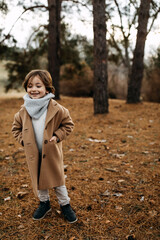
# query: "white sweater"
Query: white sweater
38,126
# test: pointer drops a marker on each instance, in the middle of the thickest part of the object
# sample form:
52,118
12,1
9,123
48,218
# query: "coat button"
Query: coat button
44,155
45,141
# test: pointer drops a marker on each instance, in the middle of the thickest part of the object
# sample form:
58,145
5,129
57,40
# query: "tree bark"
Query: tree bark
54,43
100,96
136,76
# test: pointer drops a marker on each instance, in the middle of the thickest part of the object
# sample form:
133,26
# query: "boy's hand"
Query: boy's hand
54,138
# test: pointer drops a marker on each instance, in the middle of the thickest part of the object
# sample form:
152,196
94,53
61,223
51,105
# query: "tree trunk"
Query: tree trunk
100,58
136,76
54,43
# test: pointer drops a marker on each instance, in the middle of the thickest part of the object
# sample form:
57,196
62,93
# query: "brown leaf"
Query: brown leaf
46,237
21,226
106,193
7,199
72,238
20,195
107,221
111,169
59,212
25,186
131,237
153,213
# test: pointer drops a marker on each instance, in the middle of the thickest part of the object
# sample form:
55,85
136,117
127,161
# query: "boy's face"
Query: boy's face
36,88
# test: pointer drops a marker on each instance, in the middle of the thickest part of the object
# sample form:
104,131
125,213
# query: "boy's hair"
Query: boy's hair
45,77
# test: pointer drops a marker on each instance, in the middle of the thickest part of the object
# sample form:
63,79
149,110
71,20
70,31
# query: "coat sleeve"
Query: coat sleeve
66,125
17,128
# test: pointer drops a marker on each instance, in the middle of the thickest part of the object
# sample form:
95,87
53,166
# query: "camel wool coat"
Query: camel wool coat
58,122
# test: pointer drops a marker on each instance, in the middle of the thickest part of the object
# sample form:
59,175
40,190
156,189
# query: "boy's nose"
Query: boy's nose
34,88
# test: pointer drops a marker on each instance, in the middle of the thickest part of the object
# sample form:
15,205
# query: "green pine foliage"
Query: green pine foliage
74,50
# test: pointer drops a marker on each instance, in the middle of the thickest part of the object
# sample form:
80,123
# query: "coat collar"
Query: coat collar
52,110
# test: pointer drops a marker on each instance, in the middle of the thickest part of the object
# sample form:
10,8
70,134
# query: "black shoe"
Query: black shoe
42,210
68,213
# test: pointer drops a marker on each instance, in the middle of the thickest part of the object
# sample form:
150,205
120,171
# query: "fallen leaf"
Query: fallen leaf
71,150
118,155
20,149
118,208
83,161
130,137
152,201
58,211
145,152
106,147
107,221
121,180
106,193
111,169
156,160
7,199
96,140
153,213
46,237
142,199
99,131
24,186
117,194
131,237
152,143
20,195
72,238
21,226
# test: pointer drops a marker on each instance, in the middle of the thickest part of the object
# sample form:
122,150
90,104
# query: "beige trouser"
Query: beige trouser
61,193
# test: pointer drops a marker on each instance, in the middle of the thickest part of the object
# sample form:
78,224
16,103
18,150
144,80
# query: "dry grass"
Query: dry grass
113,185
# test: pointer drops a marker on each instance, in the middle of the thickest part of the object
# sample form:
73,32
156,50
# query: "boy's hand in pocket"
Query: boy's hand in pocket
54,139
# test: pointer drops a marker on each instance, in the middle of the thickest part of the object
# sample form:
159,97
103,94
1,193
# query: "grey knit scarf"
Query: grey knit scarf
36,107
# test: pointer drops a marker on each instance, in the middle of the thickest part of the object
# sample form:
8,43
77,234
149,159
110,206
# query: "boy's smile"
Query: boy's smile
36,88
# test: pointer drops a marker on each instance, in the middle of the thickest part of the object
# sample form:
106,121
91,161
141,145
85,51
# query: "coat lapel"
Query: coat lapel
52,110
28,125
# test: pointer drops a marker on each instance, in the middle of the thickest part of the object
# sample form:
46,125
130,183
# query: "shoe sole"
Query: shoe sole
43,215
73,221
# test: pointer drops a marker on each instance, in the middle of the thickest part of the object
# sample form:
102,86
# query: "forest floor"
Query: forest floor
112,175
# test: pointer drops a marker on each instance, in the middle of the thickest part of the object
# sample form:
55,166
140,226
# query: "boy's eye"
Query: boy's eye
30,86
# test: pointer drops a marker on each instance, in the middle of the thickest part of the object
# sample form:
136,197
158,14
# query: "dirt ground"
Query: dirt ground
112,175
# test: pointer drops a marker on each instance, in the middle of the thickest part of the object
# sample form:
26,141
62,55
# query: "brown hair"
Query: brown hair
45,77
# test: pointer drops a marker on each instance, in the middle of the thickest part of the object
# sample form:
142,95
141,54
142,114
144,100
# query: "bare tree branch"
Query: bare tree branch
26,9
117,47
43,39
35,31
78,2
120,16
153,19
